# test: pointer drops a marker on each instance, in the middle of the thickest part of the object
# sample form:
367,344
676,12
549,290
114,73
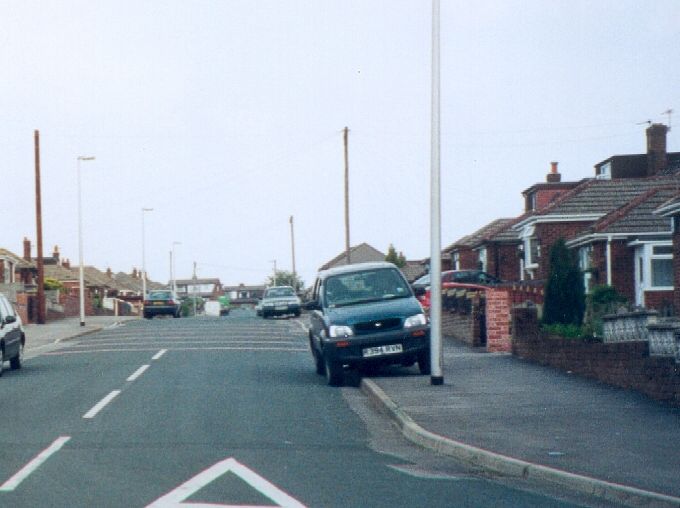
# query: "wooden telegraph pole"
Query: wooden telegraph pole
345,136
38,219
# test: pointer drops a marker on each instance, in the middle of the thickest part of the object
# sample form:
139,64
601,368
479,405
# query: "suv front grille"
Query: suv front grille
380,325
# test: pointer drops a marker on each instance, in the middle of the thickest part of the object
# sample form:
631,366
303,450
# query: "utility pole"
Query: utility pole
195,284
345,136
38,221
292,245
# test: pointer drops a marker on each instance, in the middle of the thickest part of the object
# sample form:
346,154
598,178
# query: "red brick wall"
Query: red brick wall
659,300
623,270
624,364
469,259
676,272
498,336
503,261
463,327
548,234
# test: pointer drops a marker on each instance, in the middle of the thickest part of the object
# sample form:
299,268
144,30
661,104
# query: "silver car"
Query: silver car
279,301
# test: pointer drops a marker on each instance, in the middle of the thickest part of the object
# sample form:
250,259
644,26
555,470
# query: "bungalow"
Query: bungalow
362,253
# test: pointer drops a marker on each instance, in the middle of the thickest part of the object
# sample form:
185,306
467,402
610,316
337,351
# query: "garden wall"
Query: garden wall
625,364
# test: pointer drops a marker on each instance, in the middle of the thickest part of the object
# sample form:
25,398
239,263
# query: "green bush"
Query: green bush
601,301
569,331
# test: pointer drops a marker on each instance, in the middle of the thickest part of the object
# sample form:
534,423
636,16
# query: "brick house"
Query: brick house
497,247
612,220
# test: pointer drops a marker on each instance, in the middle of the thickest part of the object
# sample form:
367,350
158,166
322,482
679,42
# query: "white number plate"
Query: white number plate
382,350
281,307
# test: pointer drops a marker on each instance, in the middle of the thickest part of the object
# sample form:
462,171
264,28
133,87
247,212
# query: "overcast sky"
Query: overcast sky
226,118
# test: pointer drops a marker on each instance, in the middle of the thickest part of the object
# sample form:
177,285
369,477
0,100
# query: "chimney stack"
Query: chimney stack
657,159
109,274
553,176
27,249
55,253
134,273
66,263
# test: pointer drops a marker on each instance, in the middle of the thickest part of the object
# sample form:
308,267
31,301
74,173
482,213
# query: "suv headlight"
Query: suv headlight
339,331
416,320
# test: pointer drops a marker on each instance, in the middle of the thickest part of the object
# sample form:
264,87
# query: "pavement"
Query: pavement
44,338
514,418
510,417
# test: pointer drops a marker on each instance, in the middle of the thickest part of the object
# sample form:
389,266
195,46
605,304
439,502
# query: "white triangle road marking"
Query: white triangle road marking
176,497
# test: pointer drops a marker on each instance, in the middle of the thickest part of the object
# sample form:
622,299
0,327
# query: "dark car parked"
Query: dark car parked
366,314
161,302
12,338
462,276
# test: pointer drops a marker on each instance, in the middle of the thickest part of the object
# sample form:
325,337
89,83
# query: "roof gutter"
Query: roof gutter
539,219
594,237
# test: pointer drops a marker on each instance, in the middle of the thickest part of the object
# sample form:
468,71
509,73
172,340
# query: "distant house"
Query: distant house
203,287
413,270
14,269
362,253
243,294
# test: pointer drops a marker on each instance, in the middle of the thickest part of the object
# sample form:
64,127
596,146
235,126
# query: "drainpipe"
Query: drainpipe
609,260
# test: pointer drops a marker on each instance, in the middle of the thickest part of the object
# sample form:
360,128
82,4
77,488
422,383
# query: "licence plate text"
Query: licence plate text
382,350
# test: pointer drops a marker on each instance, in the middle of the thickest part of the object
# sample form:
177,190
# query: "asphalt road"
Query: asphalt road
211,411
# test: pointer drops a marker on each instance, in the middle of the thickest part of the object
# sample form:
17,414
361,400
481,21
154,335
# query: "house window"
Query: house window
604,172
585,263
482,259
455,257
532,248
661,264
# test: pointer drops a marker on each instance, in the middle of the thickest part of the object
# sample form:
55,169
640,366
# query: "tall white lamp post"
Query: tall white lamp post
80,242
144,254
436,377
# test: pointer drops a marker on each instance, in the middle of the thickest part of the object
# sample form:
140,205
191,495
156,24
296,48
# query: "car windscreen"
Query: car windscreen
364,286
279,292
423,281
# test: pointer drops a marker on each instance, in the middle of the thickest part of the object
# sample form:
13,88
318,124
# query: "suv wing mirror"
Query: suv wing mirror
312,305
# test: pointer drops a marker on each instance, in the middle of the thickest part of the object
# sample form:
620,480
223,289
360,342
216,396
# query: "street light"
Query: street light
144,254
172,266
80,242
436,377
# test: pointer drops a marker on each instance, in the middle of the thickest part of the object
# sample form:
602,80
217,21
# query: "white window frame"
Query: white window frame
527,237
643,267
482,257
455,257
585,263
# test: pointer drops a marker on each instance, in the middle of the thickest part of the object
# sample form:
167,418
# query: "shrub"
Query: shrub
564,292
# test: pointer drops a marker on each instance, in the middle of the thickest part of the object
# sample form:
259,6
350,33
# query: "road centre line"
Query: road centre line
34,464
100,405
138,373
198,341
159,354
209,348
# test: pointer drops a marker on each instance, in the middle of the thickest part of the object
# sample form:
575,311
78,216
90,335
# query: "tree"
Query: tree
393,257
564,291
285,278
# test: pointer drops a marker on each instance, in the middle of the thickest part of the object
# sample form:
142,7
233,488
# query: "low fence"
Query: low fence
481,315
626,364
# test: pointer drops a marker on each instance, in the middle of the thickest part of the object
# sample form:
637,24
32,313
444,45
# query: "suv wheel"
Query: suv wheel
15,363
334,373
424,362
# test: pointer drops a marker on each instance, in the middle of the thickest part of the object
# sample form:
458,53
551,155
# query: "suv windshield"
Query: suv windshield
364,286
279,292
